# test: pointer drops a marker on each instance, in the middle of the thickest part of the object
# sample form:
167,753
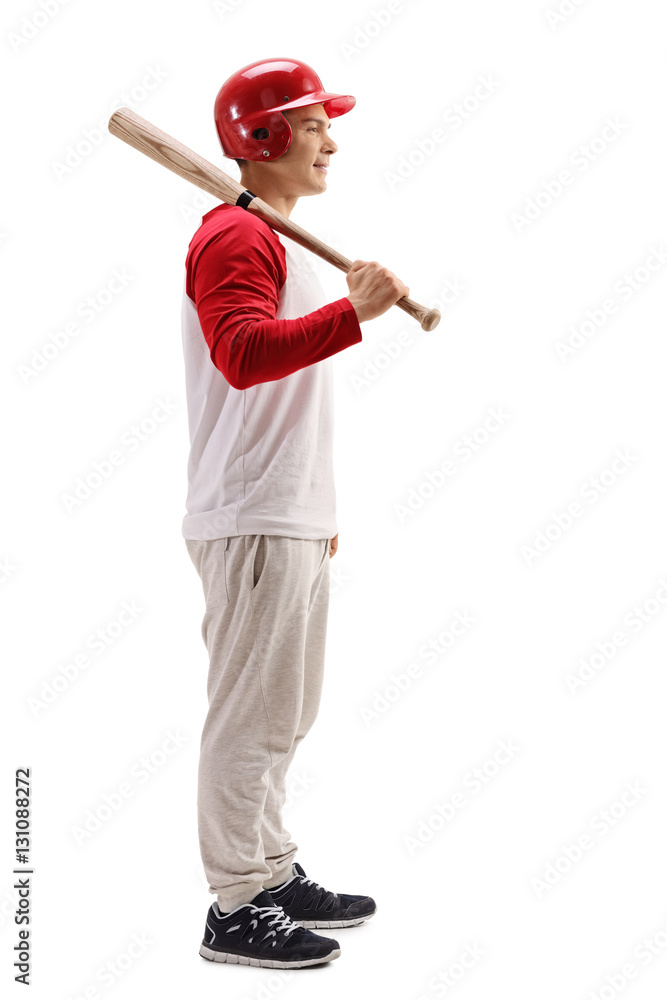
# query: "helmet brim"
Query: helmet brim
334,104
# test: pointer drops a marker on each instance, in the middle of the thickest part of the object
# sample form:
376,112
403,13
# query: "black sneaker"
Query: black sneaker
312,906
260,933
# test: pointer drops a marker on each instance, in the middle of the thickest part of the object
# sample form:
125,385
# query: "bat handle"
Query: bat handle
428,318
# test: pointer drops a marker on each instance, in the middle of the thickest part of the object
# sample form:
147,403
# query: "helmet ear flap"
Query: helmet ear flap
272,133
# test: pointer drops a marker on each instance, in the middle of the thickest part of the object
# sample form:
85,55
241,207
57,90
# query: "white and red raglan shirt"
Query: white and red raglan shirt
258,336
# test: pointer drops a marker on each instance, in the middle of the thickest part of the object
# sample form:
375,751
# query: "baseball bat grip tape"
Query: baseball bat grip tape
172,154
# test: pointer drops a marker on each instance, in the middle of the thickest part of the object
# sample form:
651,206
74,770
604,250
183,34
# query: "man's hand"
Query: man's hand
373,289
333,547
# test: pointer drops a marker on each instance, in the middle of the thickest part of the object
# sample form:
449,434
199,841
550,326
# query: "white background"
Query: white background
494,878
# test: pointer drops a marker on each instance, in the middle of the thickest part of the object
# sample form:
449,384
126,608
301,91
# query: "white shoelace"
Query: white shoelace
310,881
280,920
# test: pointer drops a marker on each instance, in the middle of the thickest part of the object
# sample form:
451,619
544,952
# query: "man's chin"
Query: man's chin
315,189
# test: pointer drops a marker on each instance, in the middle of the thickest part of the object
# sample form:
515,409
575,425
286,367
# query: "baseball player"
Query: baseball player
260,528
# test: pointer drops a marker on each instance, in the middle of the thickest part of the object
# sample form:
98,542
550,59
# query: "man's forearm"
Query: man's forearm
249,352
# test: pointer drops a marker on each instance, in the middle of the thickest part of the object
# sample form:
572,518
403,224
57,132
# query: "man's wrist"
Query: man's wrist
357,308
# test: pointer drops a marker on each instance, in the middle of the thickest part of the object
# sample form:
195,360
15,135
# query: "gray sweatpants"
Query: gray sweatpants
264,625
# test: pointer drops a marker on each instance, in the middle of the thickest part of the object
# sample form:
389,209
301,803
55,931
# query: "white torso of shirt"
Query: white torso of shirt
261,459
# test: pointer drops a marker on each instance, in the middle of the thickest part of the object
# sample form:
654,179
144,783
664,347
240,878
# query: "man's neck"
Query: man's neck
268,193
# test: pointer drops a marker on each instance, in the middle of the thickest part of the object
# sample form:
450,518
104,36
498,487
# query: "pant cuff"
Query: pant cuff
279,877
245,894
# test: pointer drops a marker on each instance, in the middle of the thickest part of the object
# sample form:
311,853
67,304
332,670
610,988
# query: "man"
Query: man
258,336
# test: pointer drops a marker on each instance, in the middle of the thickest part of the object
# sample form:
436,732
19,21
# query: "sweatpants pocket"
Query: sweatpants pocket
257,554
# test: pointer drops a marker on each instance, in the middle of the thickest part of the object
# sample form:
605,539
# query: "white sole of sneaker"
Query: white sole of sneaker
334,923
263,963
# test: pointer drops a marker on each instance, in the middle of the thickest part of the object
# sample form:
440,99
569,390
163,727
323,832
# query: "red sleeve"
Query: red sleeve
235,281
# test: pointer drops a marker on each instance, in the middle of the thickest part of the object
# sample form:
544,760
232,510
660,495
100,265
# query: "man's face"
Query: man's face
311,144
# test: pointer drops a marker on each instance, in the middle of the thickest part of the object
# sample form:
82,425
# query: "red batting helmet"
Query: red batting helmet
249,105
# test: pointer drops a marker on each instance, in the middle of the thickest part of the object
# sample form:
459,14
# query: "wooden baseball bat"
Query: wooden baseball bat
171,153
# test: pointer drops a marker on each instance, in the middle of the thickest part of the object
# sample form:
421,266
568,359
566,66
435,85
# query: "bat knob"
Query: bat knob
430,319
